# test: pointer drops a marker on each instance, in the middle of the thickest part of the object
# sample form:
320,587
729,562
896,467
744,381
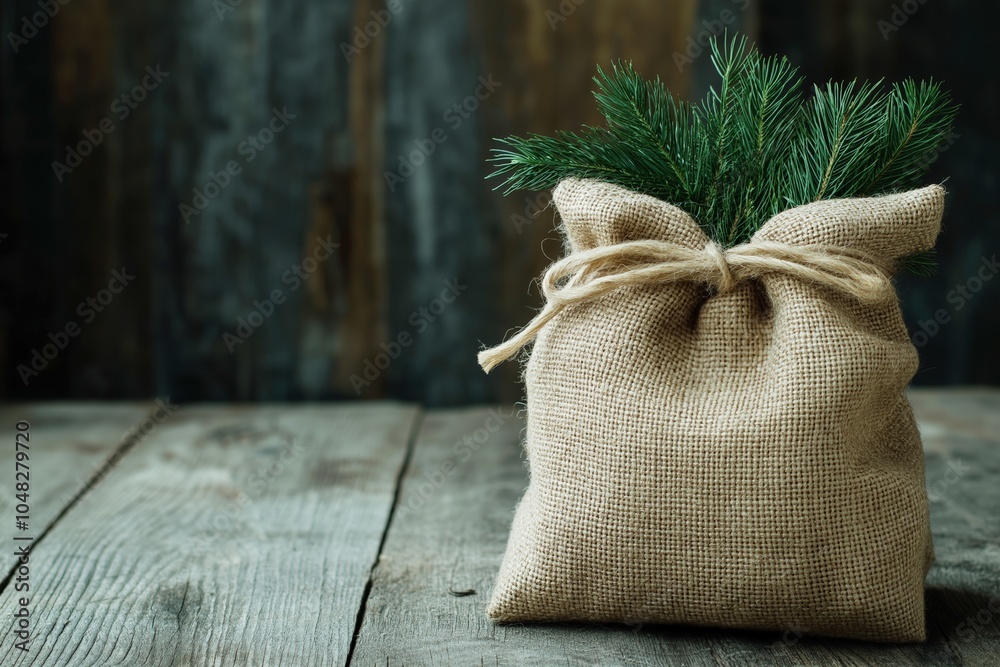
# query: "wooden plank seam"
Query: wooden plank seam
130,439
407,459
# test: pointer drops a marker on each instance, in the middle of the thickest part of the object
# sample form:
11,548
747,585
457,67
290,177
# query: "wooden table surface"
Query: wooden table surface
369,534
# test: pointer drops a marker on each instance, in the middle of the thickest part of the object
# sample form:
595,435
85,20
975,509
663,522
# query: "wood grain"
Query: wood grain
356,209
232,71
69,444
325,175
961,434
448,536
232,536
545,53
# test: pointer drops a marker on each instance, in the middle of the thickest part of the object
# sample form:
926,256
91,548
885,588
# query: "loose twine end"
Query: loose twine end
588,274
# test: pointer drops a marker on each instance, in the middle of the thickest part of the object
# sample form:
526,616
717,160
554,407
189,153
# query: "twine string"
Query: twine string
590,274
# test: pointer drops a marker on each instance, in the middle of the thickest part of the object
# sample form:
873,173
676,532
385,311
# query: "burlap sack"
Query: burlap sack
743,459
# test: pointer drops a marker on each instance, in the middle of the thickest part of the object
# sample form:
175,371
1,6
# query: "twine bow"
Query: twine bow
589,274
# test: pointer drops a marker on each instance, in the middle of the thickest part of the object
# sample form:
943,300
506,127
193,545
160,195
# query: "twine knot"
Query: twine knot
589,274
726,281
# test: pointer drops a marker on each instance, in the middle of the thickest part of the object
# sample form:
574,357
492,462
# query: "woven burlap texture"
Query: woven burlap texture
746,459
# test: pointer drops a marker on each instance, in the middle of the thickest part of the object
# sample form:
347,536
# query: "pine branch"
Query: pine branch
919,121
539,163
842,137
717,117
766,115
922,264
636,108
750,150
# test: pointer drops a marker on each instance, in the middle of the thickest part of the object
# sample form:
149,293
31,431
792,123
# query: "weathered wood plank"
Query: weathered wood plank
954,311
961,433
232,536
433,231
450,529
253,142
545,54
447,537
68,445
231,62
355,207
102,200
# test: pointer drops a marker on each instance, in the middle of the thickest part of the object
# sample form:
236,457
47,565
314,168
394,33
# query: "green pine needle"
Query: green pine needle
843,133
751,149
636,108
920,118
923,264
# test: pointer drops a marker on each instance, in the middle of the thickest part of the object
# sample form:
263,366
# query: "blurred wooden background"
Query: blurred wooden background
356,111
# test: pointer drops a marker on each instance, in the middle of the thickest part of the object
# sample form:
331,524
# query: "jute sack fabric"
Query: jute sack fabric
732,448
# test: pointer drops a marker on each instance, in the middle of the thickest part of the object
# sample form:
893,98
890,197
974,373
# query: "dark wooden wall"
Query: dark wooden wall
950,41
232,63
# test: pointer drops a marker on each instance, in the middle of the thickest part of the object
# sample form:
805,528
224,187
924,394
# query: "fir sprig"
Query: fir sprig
636,108
920,120
764,116
750,149
843,134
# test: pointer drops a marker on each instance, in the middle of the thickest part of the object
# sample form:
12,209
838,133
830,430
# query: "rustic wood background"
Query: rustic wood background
231,62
